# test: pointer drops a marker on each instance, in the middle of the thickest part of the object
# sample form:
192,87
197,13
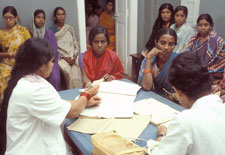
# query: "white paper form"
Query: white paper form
119,87
117,100
160,112
112,105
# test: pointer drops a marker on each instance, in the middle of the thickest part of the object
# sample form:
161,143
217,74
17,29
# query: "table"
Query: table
83,141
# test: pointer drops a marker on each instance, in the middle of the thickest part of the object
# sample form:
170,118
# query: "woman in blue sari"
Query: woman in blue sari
154,69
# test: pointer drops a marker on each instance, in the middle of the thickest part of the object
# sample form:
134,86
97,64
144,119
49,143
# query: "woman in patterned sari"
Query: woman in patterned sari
209,46
154,69
11,37
68,49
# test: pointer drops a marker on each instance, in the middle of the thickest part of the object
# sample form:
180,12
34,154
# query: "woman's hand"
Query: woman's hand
218,87
94,101
108,77
69,60
162,130
92,90
88,85
155,51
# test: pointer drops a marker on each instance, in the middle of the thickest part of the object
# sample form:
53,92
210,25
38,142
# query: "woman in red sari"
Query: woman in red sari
98,61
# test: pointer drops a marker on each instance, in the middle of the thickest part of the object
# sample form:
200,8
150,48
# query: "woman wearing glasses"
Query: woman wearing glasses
11,37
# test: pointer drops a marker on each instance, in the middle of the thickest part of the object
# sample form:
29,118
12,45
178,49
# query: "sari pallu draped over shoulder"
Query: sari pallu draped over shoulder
211,51
160,81
96,68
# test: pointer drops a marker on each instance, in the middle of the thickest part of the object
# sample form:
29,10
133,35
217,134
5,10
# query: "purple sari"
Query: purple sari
211,51
54,78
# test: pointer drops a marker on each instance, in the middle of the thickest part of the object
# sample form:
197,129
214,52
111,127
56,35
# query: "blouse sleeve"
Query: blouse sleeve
80,60
48,106
140,76
177,141
26,34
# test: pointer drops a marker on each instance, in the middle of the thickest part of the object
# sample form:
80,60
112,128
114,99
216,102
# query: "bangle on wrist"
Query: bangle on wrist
87,95
147,71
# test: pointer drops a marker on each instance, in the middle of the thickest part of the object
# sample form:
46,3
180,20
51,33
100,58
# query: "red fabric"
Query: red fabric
96,68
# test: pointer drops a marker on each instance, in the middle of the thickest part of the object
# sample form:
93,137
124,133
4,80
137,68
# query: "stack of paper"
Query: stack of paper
160,112
117,100
121,126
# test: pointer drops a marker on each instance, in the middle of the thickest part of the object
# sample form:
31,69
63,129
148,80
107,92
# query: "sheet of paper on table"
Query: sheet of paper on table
125,127
117,100
160,112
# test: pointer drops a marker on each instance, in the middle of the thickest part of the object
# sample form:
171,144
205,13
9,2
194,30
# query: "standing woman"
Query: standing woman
32,110
91,18
68,49
183,30
107,20
164,20
154,69
209,46
11,37
40,31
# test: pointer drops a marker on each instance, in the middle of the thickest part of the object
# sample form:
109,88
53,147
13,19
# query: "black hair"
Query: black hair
207,17
97,30
30,57
10,9
189,74
113,3
181,8
158,24
38,11
163,31
56,10
93,8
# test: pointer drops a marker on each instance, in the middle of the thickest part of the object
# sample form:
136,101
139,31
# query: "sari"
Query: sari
10,42
68,47
211,51
160,81
96,68
47,34
108,21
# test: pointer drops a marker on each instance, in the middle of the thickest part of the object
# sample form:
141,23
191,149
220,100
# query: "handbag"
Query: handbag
110,143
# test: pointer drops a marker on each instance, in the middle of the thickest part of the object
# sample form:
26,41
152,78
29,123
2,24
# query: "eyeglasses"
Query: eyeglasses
8,18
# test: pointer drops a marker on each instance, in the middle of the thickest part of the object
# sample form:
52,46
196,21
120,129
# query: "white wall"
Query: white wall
216,9
25,10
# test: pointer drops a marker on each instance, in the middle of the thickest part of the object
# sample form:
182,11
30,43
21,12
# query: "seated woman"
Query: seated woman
68,49
154,69
32,110
107,20
183,30
40,31
11,37
164,20
209,46
98,61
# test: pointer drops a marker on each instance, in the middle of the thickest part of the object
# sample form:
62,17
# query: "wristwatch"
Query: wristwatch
161,135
